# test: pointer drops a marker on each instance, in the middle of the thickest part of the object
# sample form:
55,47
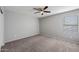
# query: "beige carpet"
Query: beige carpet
40,44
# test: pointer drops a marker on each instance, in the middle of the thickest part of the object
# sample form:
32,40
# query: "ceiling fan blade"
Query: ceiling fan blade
45,7
36,12
1,11
47,11
39,9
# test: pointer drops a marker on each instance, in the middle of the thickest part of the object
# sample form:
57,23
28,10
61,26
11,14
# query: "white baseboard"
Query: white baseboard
18,38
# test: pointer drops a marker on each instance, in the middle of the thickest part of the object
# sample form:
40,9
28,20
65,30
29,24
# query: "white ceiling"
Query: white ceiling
30,10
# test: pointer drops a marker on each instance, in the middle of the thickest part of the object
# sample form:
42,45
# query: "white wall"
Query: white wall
19,26
53,25
1,29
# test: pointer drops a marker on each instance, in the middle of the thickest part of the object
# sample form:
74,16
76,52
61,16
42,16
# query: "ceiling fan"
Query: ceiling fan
42,10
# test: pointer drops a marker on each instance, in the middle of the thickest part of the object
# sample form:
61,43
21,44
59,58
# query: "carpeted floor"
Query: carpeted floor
40,44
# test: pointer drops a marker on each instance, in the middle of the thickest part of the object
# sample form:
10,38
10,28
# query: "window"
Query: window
71,26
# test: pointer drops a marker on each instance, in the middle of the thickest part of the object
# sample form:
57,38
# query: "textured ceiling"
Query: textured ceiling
29,9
